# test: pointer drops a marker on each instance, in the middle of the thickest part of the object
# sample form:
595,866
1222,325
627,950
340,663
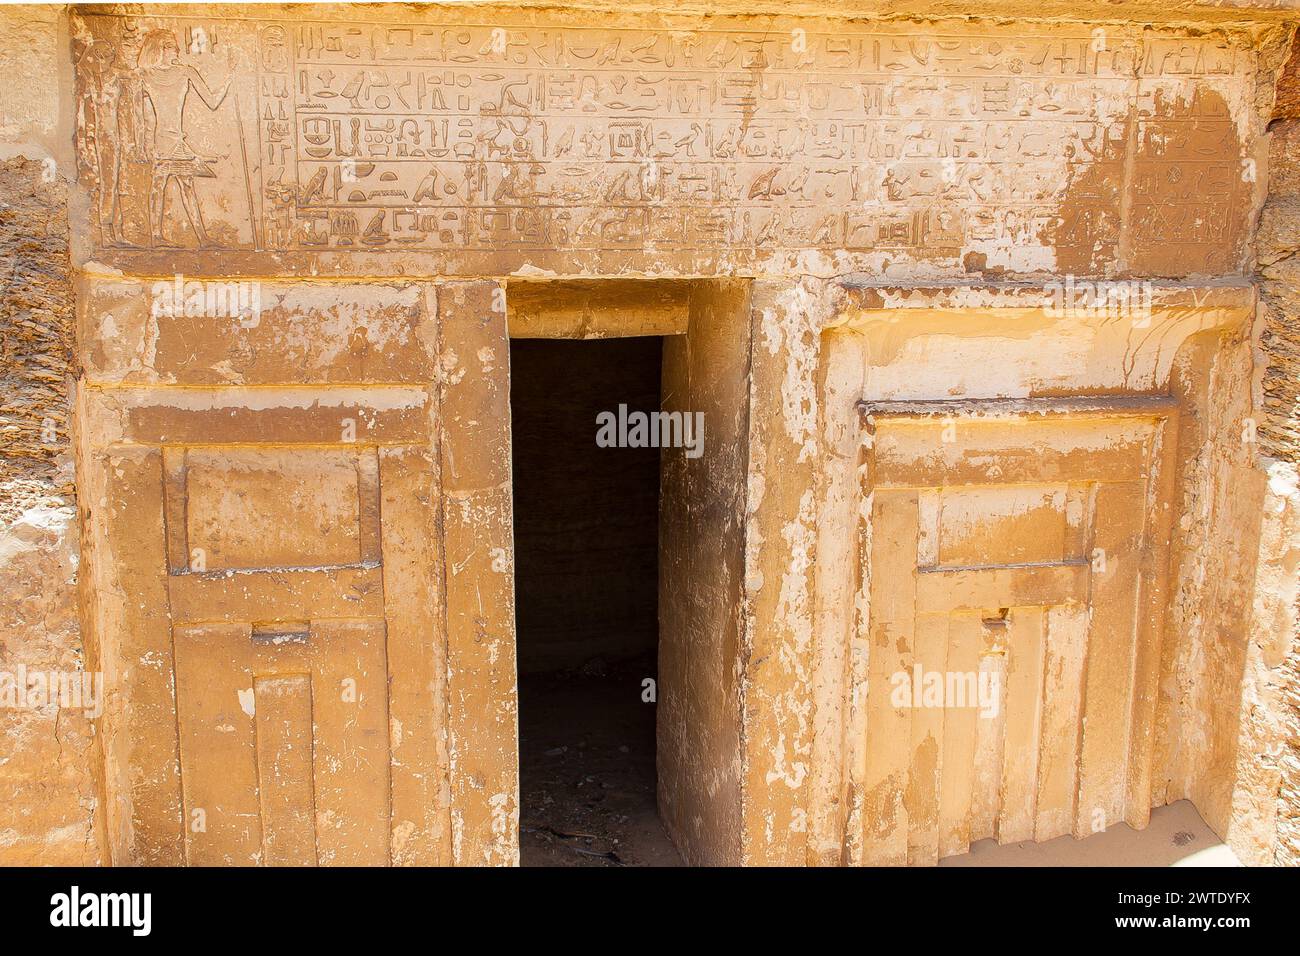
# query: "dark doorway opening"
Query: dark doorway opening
586,584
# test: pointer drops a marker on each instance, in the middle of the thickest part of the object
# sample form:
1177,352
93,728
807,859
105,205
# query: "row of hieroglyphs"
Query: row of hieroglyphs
246,135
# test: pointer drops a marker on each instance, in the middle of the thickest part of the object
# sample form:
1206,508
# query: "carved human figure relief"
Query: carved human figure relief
166,84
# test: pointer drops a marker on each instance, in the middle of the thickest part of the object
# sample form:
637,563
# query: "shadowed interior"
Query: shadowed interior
586,560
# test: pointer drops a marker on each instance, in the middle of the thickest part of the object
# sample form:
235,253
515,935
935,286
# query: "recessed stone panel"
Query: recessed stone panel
1002,524
259,508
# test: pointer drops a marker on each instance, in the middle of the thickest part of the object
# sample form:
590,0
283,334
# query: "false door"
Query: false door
1014,559
300,587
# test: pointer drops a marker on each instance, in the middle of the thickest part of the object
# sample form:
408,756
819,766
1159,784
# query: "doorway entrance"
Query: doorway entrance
629,558
586,590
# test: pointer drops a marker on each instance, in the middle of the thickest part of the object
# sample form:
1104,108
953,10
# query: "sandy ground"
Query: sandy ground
587,770
1176,836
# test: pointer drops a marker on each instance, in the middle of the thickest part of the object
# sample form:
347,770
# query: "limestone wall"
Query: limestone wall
867,209
36,312
49,803
1276,246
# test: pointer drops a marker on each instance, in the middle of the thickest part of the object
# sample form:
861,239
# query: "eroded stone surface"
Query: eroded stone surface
47,791
49,801
36,338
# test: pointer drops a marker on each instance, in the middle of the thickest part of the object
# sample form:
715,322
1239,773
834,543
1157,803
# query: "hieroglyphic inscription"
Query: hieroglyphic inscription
1031,152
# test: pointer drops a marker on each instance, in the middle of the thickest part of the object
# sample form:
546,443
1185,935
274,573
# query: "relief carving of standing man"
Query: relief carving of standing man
166,83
